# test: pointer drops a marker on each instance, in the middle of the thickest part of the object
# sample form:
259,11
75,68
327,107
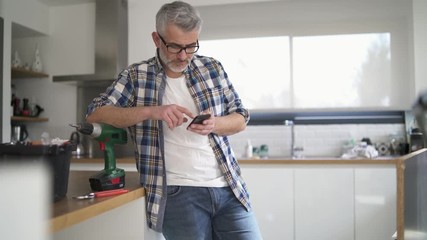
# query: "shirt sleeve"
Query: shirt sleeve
119,93
233,101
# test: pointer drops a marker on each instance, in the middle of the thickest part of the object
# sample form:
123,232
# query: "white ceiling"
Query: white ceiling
192,2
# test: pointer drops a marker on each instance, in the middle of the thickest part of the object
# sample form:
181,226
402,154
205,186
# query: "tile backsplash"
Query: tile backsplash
317,140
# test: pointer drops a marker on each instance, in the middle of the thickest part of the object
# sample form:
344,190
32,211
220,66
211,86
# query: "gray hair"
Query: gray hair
180,14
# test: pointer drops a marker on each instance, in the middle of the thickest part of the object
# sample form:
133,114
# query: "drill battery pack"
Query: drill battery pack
107,181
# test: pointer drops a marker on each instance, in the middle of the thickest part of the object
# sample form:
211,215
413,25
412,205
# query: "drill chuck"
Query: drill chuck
96,130
91,129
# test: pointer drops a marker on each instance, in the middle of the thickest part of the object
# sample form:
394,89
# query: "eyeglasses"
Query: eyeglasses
175,48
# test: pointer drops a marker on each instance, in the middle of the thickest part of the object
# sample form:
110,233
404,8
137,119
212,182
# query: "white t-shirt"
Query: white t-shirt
189,158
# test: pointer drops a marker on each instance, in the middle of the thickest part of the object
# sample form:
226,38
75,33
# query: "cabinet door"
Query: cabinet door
324,203
1,79
125,222
271,193
375,204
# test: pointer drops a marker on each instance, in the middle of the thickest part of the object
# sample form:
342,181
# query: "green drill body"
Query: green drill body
110,177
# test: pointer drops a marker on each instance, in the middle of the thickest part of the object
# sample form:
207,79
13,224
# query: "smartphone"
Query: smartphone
199,119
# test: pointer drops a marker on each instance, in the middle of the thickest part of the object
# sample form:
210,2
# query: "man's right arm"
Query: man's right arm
173,115
118,117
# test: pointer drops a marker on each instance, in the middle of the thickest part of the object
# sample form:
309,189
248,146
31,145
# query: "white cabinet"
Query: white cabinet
319,201
125,222
271,191
375,202
324,204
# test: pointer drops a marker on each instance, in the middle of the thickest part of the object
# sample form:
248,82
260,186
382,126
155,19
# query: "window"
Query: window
259,68
306,72
342,71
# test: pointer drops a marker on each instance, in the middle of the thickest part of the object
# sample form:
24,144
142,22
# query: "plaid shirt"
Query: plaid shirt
143,84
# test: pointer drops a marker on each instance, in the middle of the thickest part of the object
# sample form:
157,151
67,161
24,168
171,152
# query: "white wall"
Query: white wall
302,17
141,24
29,13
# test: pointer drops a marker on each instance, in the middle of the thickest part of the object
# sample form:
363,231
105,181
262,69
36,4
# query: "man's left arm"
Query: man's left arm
231,116
221,125
229,124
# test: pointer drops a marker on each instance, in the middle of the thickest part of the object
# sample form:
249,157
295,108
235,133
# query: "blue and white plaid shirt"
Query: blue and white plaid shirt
143,84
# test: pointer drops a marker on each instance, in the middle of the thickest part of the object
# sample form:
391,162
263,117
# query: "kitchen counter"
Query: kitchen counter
392,166
274,160
69,211
355,194
321,160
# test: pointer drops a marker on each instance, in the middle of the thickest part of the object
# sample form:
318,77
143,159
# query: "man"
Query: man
193,185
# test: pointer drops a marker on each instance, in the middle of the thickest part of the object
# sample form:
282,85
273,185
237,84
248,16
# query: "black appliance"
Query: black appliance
56,157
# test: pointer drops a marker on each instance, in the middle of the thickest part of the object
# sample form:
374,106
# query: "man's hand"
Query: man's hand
205,128
173,115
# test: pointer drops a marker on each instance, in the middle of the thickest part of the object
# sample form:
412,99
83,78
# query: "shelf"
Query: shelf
23,73
28,119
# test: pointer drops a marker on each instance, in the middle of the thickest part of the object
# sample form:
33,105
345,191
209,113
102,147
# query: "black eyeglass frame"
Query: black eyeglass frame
175,46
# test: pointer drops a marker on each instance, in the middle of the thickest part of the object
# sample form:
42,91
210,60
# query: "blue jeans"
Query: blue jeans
200,213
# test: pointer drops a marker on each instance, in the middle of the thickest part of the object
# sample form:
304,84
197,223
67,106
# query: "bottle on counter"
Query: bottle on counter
249,149
263,151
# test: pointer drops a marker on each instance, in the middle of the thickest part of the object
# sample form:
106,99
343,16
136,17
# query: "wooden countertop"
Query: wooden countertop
69,211
275,160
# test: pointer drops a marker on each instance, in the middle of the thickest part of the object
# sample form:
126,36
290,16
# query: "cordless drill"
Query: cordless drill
107,135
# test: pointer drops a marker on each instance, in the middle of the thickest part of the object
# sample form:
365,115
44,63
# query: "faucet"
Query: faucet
291,124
